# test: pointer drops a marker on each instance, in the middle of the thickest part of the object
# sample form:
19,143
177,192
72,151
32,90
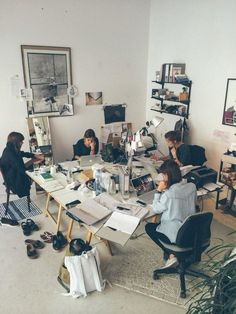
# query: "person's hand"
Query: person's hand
154,157
38,158
161,186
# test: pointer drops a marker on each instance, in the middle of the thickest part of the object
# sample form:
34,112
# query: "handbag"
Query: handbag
85,273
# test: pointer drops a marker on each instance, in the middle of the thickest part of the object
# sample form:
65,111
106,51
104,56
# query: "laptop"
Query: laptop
144,187
88,161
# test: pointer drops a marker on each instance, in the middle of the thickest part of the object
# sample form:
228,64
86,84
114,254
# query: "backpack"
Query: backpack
198,156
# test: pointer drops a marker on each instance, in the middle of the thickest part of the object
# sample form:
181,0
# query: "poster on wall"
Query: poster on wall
93,98
47,72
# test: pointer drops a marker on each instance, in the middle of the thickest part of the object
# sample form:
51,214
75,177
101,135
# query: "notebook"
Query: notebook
87,161
144,187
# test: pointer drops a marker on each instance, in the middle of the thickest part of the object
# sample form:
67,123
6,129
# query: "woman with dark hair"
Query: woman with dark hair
179,151
86,146
13,166
175,200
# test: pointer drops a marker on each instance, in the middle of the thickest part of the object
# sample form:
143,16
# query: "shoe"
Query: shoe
9,222
31,252
36,243
58,241
32,225
26,229
172,262
46,237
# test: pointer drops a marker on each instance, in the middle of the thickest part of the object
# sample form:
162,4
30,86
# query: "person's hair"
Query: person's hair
172,170
173,136
89,133
15,139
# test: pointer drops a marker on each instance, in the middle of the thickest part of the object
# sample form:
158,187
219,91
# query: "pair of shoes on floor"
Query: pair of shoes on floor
58,241
29,226
9,222
46,237
31,246
171,262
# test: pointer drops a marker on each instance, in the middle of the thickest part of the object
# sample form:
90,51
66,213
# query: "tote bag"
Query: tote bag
85,273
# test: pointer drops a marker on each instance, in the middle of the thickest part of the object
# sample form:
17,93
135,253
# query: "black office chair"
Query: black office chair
192,239
8,190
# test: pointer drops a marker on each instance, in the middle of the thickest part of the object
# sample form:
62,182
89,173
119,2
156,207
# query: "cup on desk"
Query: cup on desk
53,170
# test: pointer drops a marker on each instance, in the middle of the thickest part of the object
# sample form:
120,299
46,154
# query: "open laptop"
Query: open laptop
87,161
144,187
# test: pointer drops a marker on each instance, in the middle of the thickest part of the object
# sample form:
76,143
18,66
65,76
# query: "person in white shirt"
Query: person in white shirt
175,200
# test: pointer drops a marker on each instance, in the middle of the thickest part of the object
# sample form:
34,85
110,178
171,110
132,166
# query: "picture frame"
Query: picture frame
47,73
229,113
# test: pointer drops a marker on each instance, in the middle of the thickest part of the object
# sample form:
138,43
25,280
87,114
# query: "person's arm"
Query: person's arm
160,200
77,150
35,158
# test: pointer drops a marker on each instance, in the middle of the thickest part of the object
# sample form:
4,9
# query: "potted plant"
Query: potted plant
217,294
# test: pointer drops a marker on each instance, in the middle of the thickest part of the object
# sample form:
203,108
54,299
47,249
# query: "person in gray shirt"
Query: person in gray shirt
175,200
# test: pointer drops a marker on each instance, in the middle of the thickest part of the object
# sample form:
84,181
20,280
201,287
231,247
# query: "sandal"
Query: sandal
31,252
32,225
46,237
26,229
36,243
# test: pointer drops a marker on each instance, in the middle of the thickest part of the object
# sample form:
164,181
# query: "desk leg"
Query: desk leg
70,226
59,217
47,205
88,237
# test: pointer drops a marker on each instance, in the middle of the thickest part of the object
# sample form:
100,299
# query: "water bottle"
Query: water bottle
69,178
98,177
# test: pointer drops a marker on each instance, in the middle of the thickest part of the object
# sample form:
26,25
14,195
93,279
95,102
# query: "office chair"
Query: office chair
192,239
8,190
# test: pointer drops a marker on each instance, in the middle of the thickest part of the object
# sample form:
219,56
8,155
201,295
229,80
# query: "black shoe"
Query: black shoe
58,241
9,222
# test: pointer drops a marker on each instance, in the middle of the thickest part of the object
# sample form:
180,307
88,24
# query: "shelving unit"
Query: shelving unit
172,105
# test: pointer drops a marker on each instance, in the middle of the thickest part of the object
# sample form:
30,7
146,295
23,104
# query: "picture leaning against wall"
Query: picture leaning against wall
47,72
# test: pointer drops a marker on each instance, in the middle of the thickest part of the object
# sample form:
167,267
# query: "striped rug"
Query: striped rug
18,209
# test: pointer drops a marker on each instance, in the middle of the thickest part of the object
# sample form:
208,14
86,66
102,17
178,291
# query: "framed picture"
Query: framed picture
47,73
229,113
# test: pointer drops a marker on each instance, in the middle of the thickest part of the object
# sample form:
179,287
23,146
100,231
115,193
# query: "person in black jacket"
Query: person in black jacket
86,146
13,166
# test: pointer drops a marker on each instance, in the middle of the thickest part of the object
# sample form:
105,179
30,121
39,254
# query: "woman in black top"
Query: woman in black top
86,146
179,151
13,166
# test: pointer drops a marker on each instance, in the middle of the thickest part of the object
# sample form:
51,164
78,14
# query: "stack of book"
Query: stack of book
46,176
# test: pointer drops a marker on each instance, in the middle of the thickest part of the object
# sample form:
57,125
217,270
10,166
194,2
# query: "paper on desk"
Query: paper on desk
211,186
122,222
52,186
66,165
93,208
116,128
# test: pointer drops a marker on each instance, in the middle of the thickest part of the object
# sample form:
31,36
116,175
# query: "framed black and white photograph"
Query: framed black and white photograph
229,114
47,72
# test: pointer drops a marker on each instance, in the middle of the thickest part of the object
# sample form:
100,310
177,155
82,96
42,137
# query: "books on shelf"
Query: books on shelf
171,70
46,176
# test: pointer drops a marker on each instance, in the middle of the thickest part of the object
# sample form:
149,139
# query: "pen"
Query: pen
122,208
114,229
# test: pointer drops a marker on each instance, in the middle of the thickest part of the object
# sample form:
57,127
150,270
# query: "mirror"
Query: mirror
40,138
229,114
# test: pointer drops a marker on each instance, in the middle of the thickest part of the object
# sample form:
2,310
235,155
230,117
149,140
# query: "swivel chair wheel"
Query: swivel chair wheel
155,276
183,295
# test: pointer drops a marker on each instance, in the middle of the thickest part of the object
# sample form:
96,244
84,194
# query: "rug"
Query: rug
18,209
132,266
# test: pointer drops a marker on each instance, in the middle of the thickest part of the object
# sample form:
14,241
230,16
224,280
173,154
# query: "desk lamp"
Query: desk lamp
149,139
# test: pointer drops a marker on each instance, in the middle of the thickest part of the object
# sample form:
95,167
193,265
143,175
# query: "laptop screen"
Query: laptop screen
143,184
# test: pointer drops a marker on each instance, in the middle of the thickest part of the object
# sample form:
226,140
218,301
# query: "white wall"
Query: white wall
200,34
109,42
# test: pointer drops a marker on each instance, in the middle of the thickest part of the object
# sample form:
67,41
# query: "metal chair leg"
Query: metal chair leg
182,282
7,204
28,203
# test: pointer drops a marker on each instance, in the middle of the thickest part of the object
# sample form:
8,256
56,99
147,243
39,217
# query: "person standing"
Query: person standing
13,166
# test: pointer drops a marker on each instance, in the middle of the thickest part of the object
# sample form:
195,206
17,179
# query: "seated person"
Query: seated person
175,200
86,146
13,165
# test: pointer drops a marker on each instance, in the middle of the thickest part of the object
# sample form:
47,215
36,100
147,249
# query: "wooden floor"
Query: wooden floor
227,220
